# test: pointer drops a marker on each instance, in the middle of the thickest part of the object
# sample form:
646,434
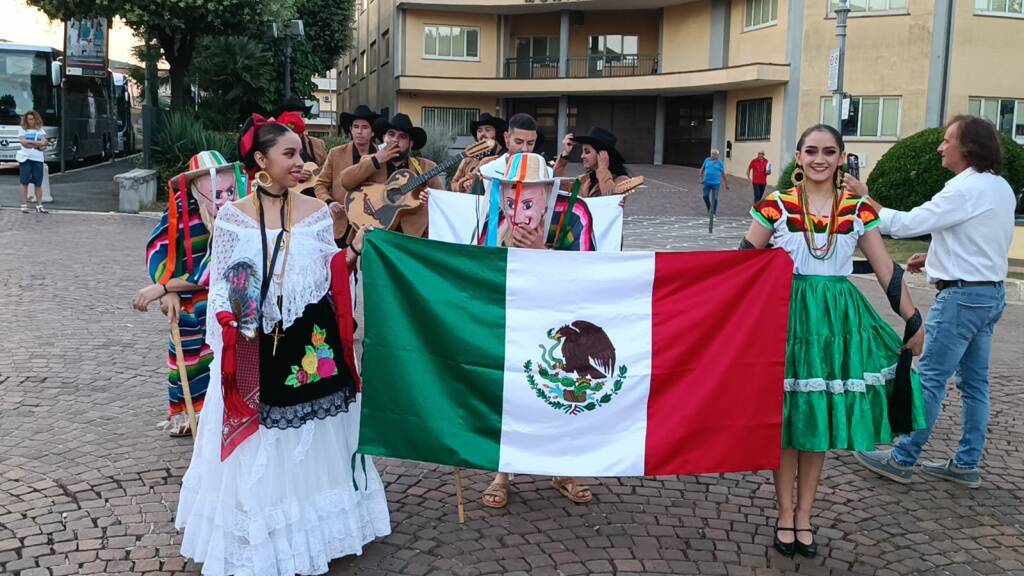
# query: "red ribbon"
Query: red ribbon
341,292
185,220
172,234
294,121
246,142
234,406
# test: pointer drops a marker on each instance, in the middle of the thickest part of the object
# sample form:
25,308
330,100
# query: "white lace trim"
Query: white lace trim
308,273
840,386
295,538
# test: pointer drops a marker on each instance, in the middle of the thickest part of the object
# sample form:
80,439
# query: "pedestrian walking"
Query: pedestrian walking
757,172
712,176
30,159
841,357
971,223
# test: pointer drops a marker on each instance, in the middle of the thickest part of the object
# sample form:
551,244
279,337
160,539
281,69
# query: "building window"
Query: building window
1000,7
373,57
870,116
362,63
385,47
1007,114
454,121
614,45
862,7
355,71
451,42
754,119
761,13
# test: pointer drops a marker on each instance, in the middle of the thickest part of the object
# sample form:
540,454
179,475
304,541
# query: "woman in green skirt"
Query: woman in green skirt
840,355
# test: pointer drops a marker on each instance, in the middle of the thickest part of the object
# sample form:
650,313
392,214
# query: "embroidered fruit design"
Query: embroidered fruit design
317,363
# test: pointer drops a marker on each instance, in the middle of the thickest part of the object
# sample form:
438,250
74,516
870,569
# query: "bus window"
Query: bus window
25,85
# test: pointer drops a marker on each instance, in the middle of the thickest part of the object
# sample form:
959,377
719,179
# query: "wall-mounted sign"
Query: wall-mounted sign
85,46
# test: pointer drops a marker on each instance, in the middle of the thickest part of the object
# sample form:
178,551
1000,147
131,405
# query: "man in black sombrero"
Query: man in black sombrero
491,128
400,140
358,124
603,165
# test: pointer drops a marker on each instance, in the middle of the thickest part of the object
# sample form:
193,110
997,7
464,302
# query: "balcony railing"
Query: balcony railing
603,66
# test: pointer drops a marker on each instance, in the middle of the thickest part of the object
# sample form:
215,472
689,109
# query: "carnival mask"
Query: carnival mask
211,200
531,207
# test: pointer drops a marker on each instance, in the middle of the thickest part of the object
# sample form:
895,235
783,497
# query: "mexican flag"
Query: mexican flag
570,363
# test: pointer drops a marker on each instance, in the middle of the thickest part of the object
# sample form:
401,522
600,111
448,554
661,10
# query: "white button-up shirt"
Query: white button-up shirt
971,223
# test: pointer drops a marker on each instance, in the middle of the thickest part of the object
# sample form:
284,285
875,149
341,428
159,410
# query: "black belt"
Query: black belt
943,284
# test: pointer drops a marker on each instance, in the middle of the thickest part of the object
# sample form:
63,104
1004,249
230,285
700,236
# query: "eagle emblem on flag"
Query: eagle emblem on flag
575,368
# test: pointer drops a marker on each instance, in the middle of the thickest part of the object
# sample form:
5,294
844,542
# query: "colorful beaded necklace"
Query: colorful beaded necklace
823,252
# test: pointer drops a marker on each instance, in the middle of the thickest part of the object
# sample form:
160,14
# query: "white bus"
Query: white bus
30,80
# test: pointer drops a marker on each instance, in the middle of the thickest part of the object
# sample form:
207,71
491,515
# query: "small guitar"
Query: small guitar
383,205
307,186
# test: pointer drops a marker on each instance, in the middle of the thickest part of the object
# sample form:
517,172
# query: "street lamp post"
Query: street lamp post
842,11
292,29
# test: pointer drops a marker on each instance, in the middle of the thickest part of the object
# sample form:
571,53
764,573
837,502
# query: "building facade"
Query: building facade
325,120
674,79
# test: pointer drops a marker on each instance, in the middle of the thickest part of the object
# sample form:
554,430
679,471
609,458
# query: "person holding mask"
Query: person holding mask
359,126
30,159
971,223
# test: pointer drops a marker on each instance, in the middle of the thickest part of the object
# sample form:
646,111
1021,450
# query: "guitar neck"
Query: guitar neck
426,176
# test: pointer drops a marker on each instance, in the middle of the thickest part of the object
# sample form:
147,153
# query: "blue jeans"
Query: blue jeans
957,342
708,189
31,172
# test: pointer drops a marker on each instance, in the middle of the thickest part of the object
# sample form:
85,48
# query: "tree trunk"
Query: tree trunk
178,50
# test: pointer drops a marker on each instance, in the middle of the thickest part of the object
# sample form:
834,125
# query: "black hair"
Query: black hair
979,143
264,138
522,121
822,128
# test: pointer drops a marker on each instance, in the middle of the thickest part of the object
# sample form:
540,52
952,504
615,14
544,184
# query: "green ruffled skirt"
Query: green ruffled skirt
840,365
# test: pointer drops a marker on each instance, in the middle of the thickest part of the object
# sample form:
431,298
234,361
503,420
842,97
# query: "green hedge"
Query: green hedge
911,172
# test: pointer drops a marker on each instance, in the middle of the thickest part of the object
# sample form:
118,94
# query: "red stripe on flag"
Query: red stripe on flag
719,322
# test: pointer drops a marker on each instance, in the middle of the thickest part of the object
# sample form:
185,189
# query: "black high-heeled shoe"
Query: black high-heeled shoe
805,550
785,548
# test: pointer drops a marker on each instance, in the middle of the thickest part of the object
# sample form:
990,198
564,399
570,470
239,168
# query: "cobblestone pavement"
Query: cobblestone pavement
88,485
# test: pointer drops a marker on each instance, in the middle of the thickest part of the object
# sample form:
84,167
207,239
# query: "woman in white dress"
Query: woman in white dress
274,486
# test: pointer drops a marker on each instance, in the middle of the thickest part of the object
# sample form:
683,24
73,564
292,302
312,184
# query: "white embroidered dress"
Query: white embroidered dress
287,501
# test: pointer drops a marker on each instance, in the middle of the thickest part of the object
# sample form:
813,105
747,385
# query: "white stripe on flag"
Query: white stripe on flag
544,291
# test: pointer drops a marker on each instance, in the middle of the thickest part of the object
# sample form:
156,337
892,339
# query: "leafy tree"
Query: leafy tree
235,76
176,25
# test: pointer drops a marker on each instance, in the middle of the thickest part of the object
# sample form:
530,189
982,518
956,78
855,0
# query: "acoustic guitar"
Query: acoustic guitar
307,186
383,205
627,186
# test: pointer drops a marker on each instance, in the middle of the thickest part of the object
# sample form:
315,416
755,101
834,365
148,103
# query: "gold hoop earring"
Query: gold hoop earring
264,179
798,175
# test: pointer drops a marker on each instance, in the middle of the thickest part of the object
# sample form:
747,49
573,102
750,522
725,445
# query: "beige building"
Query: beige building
323,121
674,79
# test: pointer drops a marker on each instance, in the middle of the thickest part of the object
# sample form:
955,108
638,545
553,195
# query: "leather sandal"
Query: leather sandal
572,490
496,495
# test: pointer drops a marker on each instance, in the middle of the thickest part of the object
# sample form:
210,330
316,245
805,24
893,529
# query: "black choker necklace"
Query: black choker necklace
266,192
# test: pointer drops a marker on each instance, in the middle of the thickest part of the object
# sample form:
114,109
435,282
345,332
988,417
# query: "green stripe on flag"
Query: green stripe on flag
434,352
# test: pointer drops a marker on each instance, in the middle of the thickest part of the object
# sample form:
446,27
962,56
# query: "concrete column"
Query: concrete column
938,69
563,45
791,94
718,124
718,55
659,130
563,120
506,41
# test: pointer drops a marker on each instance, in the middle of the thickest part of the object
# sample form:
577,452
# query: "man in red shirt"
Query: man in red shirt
761,168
